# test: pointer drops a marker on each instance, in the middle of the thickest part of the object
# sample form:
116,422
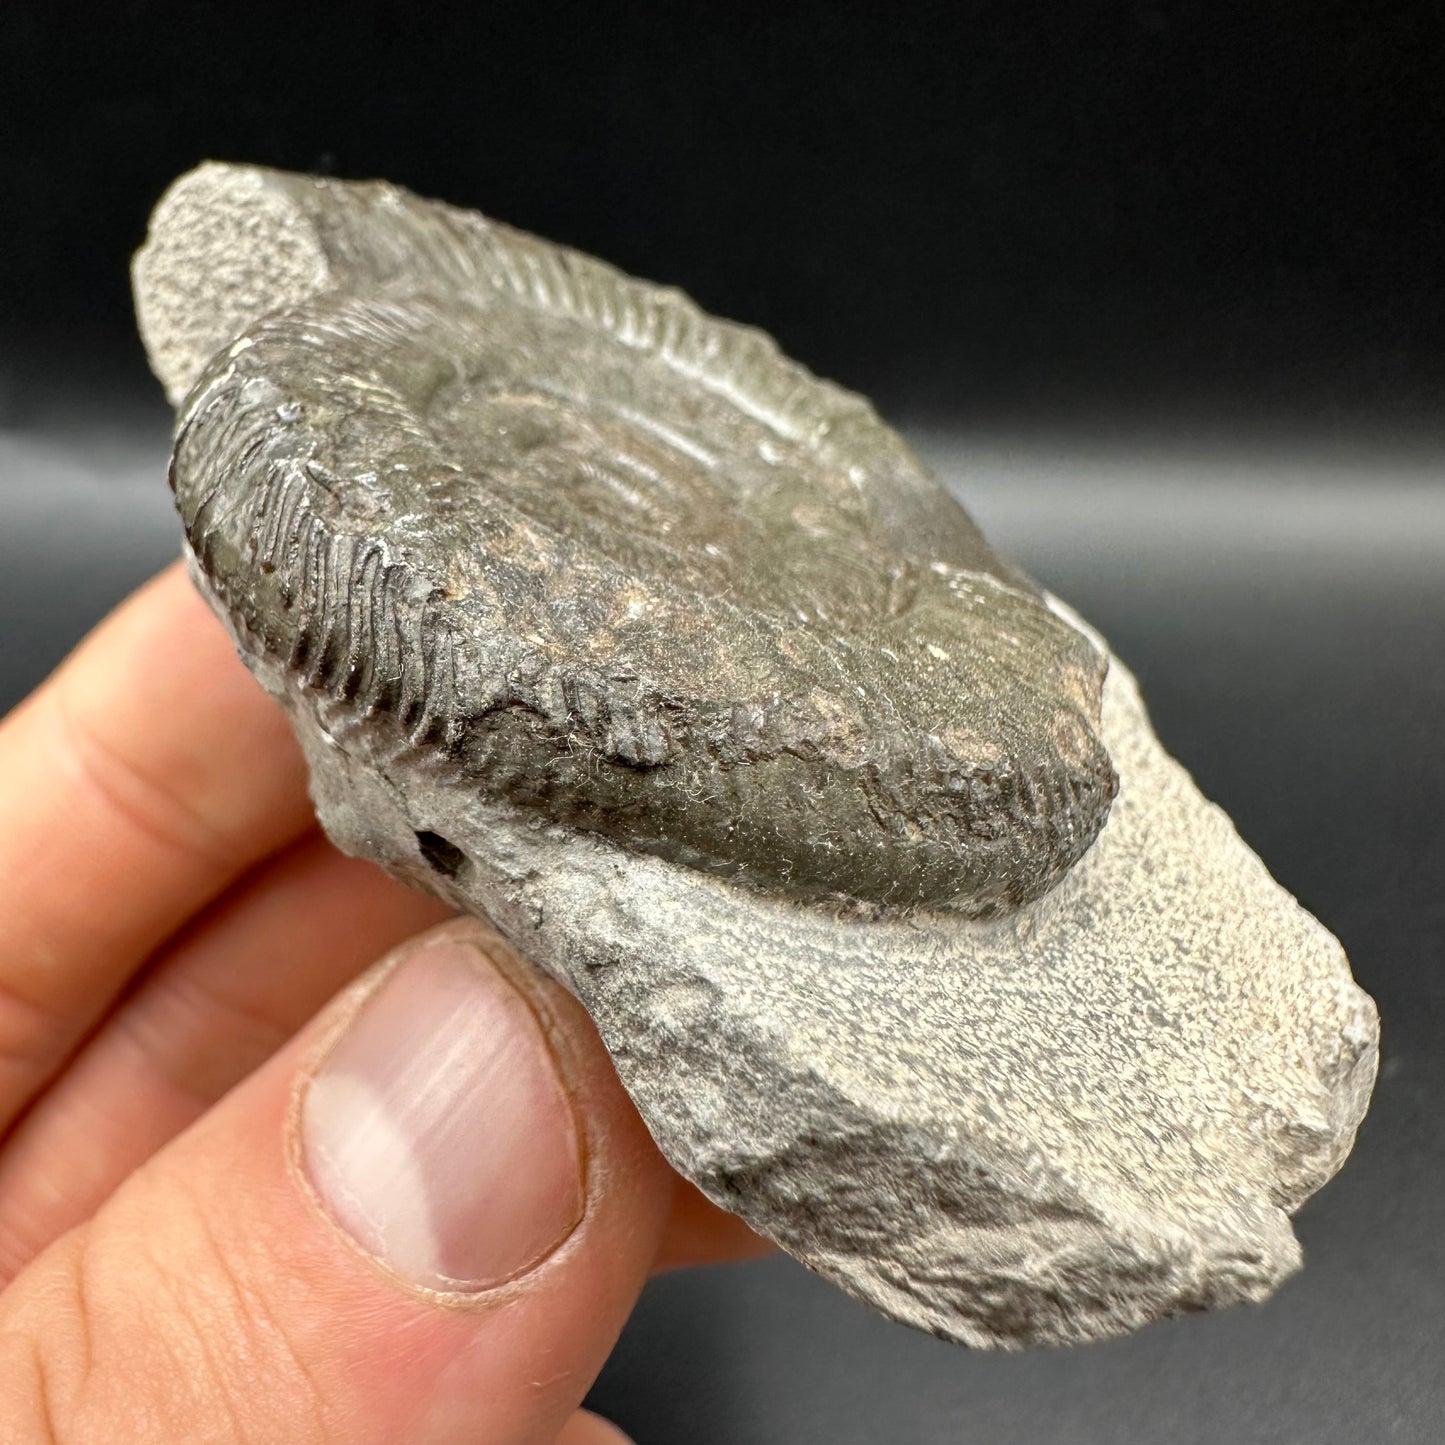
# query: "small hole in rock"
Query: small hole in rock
441,853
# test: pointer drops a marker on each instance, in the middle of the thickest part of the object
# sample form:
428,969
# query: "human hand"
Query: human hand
422,1216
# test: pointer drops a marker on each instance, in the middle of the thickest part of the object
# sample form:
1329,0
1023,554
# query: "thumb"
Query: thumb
426,1219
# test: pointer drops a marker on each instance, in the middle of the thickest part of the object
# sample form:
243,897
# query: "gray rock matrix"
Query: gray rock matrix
599,618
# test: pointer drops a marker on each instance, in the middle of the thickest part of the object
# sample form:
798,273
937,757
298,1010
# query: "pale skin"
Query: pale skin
171,923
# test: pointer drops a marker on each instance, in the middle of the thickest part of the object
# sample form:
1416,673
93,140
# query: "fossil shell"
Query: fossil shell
618,562
597,617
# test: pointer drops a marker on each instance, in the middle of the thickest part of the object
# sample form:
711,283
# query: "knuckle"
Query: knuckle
192,1037
144,803
33,1030
27,1390
46,1354
224,1320
128,1335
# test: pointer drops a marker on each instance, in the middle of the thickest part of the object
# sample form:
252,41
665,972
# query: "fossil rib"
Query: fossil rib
597,616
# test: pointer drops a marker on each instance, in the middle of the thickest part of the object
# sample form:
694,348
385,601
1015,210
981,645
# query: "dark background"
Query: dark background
1130,213
1160,289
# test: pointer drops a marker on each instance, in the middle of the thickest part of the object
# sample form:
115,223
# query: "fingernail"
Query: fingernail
438,1132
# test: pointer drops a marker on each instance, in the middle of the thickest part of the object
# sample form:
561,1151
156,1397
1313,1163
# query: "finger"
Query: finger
436,1236
218,1001
698,1232
146,775
585,1428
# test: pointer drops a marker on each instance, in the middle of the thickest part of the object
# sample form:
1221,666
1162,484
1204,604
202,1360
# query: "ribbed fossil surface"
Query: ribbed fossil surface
598,616
629,567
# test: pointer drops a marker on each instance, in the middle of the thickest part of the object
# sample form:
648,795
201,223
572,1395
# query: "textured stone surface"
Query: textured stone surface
1090,1108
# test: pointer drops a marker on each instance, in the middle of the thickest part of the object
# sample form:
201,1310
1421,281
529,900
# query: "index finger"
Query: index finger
140,780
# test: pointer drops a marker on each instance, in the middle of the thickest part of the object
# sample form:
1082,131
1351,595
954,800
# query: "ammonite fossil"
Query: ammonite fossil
625,565
598,616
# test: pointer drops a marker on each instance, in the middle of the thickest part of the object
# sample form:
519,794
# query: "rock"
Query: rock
821,834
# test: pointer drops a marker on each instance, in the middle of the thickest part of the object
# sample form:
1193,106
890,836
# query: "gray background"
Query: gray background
1158,288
